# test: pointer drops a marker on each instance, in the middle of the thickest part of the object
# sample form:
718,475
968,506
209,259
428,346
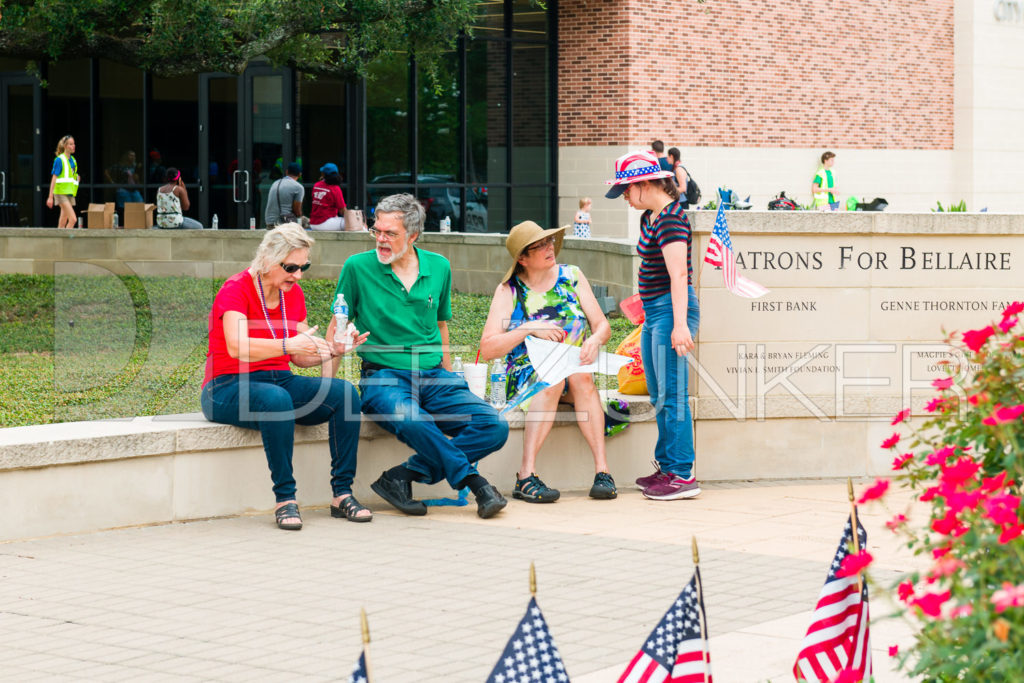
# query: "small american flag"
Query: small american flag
839,637
719,254
676,651
531,655
359,672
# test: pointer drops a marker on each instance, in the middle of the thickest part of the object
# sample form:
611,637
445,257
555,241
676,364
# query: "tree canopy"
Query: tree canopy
175,37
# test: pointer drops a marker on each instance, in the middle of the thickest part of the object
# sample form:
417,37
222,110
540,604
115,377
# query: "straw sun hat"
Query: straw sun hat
525,234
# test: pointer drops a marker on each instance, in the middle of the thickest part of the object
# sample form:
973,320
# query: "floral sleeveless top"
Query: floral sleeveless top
168,210
560,305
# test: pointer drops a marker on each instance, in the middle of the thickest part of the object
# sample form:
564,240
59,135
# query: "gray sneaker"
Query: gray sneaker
673,487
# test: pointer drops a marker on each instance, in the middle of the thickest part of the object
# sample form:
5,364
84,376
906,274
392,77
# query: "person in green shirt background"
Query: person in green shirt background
401,295
823,187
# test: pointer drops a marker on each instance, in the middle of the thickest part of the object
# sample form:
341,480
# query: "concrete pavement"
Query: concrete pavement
236,599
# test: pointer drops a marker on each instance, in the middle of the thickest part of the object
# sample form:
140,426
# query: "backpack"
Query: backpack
782,203
692,193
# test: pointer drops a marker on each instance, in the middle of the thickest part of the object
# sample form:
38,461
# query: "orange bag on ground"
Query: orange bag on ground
632,380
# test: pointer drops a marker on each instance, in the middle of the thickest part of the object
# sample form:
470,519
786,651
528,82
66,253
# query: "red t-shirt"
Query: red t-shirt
239,293
328,202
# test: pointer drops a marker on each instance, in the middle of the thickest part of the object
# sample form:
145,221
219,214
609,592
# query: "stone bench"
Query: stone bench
84,476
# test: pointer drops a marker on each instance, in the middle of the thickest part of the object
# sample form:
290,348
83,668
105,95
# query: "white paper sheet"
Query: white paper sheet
554,361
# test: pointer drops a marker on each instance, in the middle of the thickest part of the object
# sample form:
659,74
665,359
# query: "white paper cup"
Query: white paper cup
476,377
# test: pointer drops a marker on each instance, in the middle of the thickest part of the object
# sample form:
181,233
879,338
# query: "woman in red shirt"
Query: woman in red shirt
257,327
328,201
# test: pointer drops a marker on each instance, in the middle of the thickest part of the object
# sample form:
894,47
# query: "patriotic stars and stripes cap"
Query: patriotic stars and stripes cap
632,168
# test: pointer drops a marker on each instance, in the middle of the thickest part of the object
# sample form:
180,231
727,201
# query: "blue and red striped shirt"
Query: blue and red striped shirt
671,225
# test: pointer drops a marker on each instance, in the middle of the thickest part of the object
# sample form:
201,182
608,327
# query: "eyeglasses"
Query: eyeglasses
292,267
543,244
386,235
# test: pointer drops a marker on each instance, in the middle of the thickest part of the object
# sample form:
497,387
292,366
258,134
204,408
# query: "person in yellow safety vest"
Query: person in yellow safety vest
823,187
64,182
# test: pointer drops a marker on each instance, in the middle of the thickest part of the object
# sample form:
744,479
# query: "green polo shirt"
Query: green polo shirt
402,324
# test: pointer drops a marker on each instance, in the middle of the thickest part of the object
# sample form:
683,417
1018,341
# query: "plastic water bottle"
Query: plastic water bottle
446,224
340,309
114,223
498,399
252,223
213,223
457,367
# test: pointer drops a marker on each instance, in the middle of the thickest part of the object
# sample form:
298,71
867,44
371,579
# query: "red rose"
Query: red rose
876,490
975,339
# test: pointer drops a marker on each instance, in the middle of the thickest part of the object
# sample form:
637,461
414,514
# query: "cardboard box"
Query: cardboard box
100,216
138,215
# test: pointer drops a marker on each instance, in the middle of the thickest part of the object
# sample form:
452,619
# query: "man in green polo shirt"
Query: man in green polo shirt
401,295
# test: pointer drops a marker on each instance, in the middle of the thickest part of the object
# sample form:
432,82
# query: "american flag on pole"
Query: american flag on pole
359,672
531,655
676,651
719,254
839,637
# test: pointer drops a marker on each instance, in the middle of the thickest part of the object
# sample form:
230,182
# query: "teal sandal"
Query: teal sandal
533,490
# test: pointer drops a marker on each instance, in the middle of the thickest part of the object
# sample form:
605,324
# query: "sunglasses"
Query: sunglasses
291,267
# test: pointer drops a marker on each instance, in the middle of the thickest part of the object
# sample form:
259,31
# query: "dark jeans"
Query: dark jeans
423,409
277,400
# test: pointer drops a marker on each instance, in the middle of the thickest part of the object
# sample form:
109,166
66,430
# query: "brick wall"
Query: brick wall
757,73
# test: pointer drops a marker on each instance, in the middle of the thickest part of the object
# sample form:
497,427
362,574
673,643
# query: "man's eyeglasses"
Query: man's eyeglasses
386,235
292,267
543,244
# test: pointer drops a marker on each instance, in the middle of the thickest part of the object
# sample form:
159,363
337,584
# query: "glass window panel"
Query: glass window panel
531,139
67,113
321,126
173,131
496,201
490,18
119,133
475,217
267,125
438,119
529,20
375,194
533,204
223,136
486,112
387,119
11,64
440,201
20,145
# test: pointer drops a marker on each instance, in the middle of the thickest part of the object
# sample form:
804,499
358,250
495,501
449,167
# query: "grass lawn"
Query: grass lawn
103,347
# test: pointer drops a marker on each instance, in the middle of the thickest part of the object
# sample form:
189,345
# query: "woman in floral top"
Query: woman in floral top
545,299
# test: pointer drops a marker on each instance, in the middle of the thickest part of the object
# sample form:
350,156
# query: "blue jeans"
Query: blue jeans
426,407
277,400
667,379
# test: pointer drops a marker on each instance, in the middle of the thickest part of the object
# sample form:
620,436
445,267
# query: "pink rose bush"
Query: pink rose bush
968,465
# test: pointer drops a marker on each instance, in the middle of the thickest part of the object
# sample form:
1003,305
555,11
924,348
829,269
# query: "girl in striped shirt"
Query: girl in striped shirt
671,314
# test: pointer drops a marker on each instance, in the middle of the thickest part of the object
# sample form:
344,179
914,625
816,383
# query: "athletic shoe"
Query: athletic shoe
673,487
651,479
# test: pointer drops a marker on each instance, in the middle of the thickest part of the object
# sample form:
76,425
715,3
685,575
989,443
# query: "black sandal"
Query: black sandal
288,511
349,508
